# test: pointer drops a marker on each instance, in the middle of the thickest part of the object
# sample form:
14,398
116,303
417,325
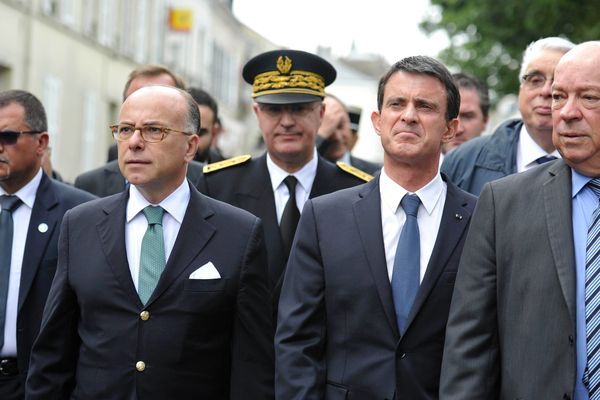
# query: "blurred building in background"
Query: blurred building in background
76,56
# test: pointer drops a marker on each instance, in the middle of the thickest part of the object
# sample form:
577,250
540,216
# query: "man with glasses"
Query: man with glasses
160,291
108,179
288,87
517,144
32,207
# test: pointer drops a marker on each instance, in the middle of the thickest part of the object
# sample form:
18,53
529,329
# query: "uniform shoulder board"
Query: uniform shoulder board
230,162
353,171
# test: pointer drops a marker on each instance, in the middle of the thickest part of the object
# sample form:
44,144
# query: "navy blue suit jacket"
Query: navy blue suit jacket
337,336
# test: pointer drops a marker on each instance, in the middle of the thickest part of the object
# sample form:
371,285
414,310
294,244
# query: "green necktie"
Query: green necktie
152,257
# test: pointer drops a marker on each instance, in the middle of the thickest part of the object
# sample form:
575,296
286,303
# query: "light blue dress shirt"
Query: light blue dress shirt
584,203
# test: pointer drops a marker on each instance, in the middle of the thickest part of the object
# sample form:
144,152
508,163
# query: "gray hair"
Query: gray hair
550,43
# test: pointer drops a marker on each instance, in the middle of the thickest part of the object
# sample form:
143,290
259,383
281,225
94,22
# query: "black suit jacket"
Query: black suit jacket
204,339
108,180
337,336
52,200
248,186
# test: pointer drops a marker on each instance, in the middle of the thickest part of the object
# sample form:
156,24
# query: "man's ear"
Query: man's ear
451,128
376,120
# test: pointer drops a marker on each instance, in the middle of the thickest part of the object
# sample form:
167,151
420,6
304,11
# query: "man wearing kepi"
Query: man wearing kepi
32,206
288,87
524,321
160,292
366,294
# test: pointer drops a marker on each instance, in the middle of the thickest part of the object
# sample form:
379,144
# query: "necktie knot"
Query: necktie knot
291,181
410,204
154,215
545,159
594,184
10,203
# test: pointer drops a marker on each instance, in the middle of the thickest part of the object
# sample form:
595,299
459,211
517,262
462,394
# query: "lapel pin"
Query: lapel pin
458,216
43,228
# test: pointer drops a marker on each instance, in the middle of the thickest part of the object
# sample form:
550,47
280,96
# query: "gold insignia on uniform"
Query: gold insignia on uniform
230,162
353,171
284,65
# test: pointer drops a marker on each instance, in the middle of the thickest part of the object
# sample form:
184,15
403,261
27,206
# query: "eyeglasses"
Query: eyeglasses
535,80
11,137
296,110
149,133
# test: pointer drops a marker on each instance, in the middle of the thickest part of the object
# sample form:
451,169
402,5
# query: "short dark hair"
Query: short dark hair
203,98
35,115
470,82
152,70
428,66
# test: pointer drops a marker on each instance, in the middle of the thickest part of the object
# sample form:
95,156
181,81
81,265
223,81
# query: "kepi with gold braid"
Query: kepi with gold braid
288,76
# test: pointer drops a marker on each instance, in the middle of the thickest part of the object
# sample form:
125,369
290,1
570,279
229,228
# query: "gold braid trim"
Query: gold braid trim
273,82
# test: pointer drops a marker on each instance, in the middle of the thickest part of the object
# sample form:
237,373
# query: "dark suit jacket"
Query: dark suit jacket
52,200
108,180
248,186
337,336
364,165
512,324
204,339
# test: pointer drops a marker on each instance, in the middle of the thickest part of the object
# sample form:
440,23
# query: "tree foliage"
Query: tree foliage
487,37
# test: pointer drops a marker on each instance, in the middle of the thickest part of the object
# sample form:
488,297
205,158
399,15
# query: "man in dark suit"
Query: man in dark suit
160,292
335,136
29,248
367,289
524,321
289,118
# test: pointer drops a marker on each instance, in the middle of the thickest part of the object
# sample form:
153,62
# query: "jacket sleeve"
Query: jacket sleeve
301,333
471,364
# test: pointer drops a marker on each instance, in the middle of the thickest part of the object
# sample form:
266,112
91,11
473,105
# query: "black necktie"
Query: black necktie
545,159
9,204
290,217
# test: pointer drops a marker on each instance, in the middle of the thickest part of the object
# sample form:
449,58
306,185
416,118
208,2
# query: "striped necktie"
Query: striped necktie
592,299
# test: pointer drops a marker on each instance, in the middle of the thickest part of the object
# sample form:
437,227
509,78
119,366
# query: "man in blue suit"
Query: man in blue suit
363,306
33,205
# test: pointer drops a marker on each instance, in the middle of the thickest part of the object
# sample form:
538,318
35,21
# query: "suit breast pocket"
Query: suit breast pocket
205,296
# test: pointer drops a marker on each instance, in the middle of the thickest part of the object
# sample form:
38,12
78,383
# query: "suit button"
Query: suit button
140,366
402,355
145,315
566,397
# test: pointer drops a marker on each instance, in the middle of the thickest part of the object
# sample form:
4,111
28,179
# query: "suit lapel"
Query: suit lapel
38,237
454,222
194,234
111,230
558,205
367,212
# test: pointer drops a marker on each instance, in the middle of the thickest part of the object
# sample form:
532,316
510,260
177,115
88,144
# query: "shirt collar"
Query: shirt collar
306,175
392,193
27,192
175,204
578,182
530,150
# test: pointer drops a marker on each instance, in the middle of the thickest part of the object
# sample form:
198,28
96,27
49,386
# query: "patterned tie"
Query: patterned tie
290,216
545,159
592,299
152,257
9,204
407,263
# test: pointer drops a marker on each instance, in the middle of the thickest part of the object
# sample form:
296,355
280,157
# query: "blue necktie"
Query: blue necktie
592,299
9,204
152,256
545,159
407,263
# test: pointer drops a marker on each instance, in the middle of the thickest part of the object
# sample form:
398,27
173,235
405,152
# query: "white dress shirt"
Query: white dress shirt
21,218
175,206
528,151
305,177
433,198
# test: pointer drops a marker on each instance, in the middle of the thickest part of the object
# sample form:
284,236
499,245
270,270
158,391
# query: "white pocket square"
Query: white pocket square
207,271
